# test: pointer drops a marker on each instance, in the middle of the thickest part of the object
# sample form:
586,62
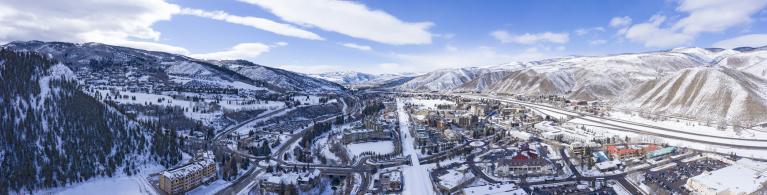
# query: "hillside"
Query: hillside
440,80
286,80
53,134
710,93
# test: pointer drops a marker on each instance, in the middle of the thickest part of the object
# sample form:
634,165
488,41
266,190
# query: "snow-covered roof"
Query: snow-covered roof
743,177
188,168
394,175
608,164
510,189
290,178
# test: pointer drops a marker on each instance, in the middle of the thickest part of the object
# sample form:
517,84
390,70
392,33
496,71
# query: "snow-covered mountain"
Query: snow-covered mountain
176,71
283,79
710,93
345,77
441,80
627,78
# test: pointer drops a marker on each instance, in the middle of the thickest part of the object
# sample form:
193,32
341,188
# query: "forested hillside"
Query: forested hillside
52,134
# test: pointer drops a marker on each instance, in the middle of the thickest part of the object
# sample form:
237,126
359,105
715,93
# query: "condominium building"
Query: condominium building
187,177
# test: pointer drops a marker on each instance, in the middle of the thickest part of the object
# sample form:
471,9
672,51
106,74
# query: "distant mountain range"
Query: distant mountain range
177,68
710,83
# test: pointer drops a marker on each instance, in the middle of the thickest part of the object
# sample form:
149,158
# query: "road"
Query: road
243,184
416,177
639,128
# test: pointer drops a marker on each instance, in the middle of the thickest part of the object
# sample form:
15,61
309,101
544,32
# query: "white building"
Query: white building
510,189
744,177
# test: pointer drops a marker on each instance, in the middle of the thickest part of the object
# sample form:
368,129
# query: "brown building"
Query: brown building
187,177
391,181
468,121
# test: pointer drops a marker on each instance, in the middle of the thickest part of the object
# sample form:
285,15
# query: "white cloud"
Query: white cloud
752,40
349,18
620,21
652,35
255,22
528,38
597,42
280,44
584,31
356,46
716,15
108,21
239,51
703,16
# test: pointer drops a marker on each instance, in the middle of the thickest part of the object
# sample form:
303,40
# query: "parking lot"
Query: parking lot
672,180
570,189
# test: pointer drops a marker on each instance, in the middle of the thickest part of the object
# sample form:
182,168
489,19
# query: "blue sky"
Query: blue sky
389,36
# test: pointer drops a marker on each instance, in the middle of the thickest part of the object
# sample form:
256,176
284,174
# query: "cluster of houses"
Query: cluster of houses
275,182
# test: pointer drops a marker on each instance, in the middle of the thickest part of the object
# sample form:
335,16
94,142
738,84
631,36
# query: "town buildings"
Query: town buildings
277,181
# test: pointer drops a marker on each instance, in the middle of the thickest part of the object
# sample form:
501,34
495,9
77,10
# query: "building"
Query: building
744,177
660,152
365,135
608,165
181,179
509,167
509,189
524,162
626,152
391,181
304,181
468,121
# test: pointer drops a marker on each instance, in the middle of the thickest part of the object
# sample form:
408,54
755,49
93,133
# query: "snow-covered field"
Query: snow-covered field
544,113
117,185
753,153
429,104
417,180
381,147
127,185
691,126
211,188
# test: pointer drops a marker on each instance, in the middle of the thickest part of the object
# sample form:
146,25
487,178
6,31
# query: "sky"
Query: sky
389,36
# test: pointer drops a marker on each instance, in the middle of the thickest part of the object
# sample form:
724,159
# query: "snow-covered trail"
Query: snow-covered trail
417,181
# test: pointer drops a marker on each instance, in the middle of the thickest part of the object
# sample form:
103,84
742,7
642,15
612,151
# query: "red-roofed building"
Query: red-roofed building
621,153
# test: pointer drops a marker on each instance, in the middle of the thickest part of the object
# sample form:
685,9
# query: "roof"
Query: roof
290,178
188,168
743,177
510,189
523,162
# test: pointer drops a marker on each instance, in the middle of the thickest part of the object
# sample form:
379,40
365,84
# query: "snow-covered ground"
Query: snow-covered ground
429,104
416,177
117,185
691,126
544,113
752,153
211,188
381,147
